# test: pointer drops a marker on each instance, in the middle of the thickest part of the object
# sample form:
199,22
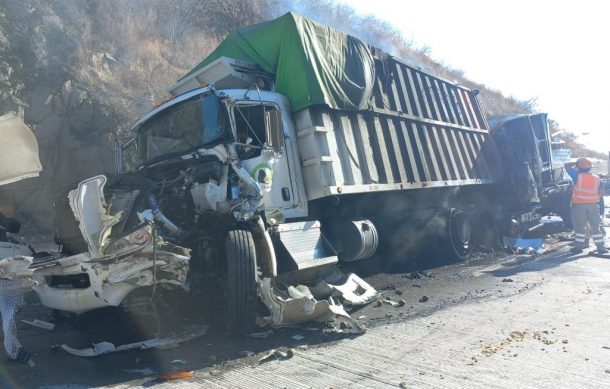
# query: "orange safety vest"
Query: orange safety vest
586,190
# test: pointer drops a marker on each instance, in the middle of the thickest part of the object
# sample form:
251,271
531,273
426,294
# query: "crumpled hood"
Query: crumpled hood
89,208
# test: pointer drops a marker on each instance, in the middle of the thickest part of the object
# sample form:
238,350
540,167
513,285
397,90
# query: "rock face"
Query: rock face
38,82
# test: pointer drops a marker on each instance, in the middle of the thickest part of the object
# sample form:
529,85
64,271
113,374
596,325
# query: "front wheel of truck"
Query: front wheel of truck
242,300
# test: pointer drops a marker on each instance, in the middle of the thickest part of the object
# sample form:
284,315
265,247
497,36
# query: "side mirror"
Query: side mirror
274,131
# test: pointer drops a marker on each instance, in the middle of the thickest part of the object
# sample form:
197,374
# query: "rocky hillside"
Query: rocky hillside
80,72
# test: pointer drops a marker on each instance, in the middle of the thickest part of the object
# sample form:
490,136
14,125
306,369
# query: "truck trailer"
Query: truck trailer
291,149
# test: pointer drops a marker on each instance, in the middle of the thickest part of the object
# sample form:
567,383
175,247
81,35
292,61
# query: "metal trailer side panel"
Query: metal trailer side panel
420,132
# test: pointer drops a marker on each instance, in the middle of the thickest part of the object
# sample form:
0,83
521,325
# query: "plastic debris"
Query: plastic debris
40,324
261,335
390,302
276,354
107,347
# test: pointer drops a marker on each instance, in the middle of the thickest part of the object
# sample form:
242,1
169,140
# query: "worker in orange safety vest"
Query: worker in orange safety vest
587,199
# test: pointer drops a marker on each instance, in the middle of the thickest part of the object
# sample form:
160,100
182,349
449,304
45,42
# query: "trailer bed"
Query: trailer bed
421,131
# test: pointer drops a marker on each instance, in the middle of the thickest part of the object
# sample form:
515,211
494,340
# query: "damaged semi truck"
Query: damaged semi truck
290,149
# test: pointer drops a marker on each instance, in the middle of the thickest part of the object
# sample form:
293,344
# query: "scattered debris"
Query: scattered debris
551,220
147,371
390,302
538,336
520,245
298,305
40,324
298,337
351,288
402,303
517,335
493,348
262,335
423,299
107,347
276,354
181,375
416,275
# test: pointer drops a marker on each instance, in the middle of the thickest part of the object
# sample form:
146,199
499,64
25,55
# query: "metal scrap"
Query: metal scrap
351,288
161,343
276,354
297,305
40,324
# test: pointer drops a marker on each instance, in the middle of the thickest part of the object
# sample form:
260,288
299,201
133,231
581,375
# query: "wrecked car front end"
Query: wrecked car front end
113,266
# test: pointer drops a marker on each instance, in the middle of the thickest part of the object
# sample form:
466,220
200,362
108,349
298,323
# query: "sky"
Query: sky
555,51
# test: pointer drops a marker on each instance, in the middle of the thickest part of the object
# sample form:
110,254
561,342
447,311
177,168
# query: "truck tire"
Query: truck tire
460,234
242,300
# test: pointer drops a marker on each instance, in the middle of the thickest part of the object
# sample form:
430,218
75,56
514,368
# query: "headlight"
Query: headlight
135,240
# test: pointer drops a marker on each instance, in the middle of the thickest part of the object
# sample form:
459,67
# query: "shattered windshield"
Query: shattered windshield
198,121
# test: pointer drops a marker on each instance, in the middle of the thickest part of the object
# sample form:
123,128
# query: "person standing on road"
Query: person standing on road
587,199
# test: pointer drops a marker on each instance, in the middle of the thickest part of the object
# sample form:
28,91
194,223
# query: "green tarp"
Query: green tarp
312,63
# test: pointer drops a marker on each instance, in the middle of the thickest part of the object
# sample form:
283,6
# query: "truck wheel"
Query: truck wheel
242,298
460,233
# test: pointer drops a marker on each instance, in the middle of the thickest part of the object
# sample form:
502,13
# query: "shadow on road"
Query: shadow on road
527,264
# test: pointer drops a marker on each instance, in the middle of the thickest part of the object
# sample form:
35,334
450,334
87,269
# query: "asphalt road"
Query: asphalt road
493,321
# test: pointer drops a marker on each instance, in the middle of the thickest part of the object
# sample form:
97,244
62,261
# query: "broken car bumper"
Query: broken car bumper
78,284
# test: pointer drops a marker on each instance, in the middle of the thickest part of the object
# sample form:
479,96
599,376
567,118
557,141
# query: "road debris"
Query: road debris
147,371
350,287
107,347
521,245
262,335
40,324
181,375
276,354
390,302
297,304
